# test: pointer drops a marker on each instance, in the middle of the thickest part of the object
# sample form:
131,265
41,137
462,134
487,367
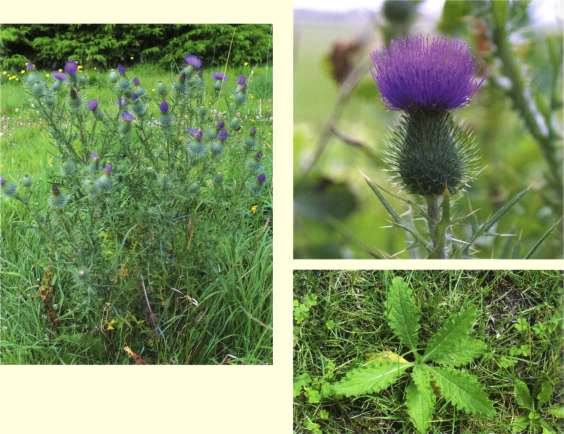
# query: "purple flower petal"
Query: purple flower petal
92,105
196,133
193,60
242,81
61,76
136,81
163,107
429,73
94,156
71,67
222,135
261,178
219,76
108,169
121,69
127,117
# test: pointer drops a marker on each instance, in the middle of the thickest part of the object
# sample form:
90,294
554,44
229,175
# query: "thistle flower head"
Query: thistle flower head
127,117
242,81
259,155
163,106
29,66
2,181
220,125
136,81
261,178
121,69
222,135
193,61
92,105
253,132
219,76
71,67
196,133
94,156
432,73
108,169
60,76
121,102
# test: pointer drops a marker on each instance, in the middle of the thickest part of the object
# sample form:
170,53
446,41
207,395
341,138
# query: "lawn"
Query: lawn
207,303
340,323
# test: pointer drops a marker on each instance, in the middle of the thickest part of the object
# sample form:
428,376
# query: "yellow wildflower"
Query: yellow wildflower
60,70
111,325
246,63
22,71
254,209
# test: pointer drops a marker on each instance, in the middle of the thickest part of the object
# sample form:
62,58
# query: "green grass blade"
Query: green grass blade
541,240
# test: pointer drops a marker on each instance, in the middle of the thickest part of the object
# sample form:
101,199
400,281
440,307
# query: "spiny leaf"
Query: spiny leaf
375,376
420,399
519,424
556,411
463,351
462,390
545,393
522,394
402,313
444,343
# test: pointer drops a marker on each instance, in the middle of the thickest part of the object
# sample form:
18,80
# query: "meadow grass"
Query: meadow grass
222,313
340,321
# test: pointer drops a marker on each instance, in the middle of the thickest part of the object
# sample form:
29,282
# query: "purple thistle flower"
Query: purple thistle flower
134,96
121,102
136,81
222,135
2,181
71,67
29,66
196,133
430,73
253,132
163,107
261,179
61,76
94,156
258,155
121,69
219,76
127,117
193,60
220,125
92,105
242,81
108,169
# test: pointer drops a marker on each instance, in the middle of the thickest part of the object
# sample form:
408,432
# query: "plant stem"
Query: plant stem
438,225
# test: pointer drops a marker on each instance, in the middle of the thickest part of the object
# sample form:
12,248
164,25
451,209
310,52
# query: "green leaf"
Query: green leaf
546,428
375,376
301,381
556,411
445,343
463,390
462,352
545,393
520,423
402,313
497,215
522,394
543,237
420,399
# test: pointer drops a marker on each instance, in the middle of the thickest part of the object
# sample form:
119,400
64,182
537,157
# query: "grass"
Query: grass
340,321
509,157
222,313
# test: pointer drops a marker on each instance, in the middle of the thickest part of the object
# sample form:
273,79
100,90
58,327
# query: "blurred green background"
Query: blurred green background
336,213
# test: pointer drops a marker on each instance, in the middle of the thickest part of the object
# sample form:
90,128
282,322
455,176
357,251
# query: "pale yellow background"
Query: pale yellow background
167,399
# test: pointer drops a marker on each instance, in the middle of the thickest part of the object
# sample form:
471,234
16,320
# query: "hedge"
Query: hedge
105,45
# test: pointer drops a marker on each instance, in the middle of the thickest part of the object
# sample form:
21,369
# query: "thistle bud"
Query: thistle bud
235,124
8,189
240,98
216,148
57,199
162,89
113,76
194,188
26,181
38,90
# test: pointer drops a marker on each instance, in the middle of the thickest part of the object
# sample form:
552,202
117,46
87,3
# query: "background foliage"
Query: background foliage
105,45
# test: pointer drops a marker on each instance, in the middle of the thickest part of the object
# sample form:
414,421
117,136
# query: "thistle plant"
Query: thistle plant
431,156
130,179
535,420
435,369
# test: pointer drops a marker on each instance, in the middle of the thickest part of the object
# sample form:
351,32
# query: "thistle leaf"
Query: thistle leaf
376,375
463,352
545,393
402,313
556,411
445,344
522,394
519,424
462,390
420,399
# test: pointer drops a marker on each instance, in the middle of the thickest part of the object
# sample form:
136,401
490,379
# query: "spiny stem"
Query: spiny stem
438,219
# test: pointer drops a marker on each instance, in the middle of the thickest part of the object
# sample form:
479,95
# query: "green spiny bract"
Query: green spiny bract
429,152
450,347
536,418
